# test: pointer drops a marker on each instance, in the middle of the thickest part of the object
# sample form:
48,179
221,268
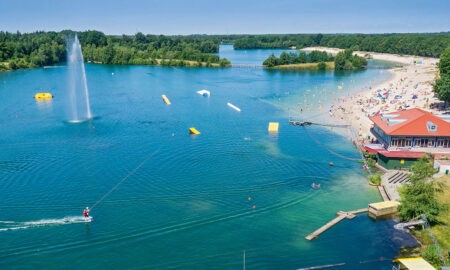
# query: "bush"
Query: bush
375,179
321,66
431,255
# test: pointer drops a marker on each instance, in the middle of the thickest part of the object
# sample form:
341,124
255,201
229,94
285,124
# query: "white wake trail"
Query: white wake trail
13,225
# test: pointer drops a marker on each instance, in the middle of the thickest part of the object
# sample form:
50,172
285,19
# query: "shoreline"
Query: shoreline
409,86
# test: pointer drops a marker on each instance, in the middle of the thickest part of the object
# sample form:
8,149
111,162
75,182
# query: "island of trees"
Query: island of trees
344,60
48,48
298,60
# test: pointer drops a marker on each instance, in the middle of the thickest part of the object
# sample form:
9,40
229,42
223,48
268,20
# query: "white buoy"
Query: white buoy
233,107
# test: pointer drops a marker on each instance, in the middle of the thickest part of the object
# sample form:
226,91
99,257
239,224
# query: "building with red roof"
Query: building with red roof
407,135
413,129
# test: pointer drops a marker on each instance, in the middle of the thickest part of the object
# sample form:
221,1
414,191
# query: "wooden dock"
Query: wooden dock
340,216
383,193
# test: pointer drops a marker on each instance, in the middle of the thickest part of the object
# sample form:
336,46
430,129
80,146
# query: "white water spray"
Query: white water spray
80,109
13,225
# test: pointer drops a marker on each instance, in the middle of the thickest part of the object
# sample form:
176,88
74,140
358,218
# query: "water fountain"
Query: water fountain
78,90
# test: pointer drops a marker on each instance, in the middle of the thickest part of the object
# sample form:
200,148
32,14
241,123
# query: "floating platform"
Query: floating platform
204,93
273,126
383,208
166,100
233,107
43,96
194,131
341,215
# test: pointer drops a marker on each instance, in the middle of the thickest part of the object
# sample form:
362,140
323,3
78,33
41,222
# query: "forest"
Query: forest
39,49
421,44
28,50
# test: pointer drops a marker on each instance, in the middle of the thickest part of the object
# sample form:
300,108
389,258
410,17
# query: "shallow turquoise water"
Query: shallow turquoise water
196,202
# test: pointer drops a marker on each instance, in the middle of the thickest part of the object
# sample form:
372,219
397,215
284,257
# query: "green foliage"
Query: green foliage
287,58
271,61
375,179
48,48
419,195
224,62
321,66
346,60
431,255
424,44
371,162
442,85
444,62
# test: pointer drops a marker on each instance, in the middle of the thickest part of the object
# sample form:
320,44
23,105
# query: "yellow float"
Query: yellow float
43,96
194,131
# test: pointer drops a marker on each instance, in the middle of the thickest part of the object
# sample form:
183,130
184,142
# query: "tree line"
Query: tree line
287,58
39,49
421,44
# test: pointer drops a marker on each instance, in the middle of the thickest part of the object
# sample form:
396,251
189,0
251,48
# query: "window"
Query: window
432,127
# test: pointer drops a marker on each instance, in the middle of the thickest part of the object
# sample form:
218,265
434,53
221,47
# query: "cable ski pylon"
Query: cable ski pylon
125,178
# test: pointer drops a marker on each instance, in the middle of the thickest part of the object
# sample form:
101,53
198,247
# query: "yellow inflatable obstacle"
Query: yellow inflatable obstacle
193,130
166,100
273,126
43,96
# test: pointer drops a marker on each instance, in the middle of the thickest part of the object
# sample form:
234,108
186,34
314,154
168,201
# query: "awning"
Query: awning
401,154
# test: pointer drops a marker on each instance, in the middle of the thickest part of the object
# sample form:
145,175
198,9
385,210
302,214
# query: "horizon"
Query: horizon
230,34
202,17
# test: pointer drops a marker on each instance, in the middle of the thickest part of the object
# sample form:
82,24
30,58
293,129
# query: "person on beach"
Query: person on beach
86,212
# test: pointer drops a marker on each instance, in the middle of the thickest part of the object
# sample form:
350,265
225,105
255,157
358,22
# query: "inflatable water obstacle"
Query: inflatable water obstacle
273,126
43,96
194,131
166,100
204,93
233,107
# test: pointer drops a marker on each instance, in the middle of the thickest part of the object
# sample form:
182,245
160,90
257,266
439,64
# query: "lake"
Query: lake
165,199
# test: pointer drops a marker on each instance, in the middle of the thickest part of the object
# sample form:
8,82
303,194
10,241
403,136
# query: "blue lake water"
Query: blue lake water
165,199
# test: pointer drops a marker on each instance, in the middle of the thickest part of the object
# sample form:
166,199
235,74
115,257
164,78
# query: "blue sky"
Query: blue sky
226,17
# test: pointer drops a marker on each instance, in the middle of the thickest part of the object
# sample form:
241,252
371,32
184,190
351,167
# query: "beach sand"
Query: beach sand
410,86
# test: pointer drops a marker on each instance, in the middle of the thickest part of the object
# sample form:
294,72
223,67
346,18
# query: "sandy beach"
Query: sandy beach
409,86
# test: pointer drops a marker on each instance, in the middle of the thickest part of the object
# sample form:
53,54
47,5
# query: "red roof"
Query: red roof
372,149
401,154
412,122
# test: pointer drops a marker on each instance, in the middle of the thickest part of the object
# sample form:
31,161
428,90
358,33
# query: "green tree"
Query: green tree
418,196
442,88
442,85
444,62
321,66
224,62
271,61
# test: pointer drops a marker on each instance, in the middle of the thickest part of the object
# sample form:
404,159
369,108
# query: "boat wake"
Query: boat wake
13,225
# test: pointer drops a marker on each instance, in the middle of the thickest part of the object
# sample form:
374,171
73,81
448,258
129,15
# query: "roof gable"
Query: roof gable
412,122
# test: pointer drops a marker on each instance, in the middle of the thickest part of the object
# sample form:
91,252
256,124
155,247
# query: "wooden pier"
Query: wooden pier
383,193
340,216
